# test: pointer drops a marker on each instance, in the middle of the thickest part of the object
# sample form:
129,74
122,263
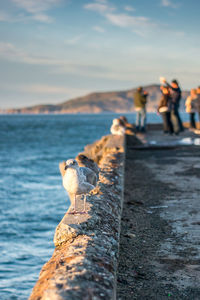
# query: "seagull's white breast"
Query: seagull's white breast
117,130
72,180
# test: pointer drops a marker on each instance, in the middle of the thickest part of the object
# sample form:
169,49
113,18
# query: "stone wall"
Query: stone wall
84,263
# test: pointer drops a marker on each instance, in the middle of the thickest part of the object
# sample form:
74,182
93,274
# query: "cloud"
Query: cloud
32,10
42,18
9,52
75,40
59,66
99,29
100,7
102,1
142,26
4,17
138,24
36,6
168,3
123,20
129,8
50,89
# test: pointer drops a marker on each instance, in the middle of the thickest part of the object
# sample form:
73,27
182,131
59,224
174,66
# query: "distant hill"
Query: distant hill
120,102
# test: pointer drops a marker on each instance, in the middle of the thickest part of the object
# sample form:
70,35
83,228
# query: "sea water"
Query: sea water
32,199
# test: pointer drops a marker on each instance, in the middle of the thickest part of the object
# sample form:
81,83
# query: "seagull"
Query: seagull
117,128
84,161
75,182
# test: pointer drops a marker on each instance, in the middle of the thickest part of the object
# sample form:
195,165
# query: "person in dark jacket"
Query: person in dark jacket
175,93
140,100
164,110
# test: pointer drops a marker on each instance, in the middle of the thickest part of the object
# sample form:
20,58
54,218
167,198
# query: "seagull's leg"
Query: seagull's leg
75,204
74,211
84,211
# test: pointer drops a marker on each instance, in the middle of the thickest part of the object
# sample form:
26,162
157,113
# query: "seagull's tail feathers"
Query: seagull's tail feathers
86,187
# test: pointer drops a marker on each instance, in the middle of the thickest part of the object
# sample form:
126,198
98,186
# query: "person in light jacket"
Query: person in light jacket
164,107
191,107
198,102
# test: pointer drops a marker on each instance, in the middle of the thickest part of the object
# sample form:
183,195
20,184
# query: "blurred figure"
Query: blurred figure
140,100
164,110
129,128
124,120
175,93
198,102
191,107
117,127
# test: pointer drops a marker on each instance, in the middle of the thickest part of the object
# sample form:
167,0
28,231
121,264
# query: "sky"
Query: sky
55,50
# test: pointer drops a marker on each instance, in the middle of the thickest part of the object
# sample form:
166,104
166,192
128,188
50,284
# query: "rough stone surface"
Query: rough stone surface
107,144
84,263
160,245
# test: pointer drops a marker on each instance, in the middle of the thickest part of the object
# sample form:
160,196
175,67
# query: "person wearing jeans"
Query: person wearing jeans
191,107
198,103
164,110
140,119
175,120
175,93
140,100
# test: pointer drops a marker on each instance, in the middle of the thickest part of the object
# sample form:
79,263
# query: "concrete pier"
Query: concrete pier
84,263
140,237
160,235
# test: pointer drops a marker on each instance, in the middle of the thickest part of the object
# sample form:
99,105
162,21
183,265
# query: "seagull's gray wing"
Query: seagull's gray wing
94,167
90,175
85,188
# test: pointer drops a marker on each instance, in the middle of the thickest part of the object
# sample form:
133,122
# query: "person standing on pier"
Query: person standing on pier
140,100
164,110
191,107
198,102
175,93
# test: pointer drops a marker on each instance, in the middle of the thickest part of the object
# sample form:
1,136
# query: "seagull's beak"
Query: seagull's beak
66,168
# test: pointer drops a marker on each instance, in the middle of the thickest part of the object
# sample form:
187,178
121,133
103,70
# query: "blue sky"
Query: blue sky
55,50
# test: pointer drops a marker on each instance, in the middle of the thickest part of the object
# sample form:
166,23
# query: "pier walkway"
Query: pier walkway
160,235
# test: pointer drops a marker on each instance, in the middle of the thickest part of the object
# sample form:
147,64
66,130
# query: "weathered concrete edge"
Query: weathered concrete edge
99,235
